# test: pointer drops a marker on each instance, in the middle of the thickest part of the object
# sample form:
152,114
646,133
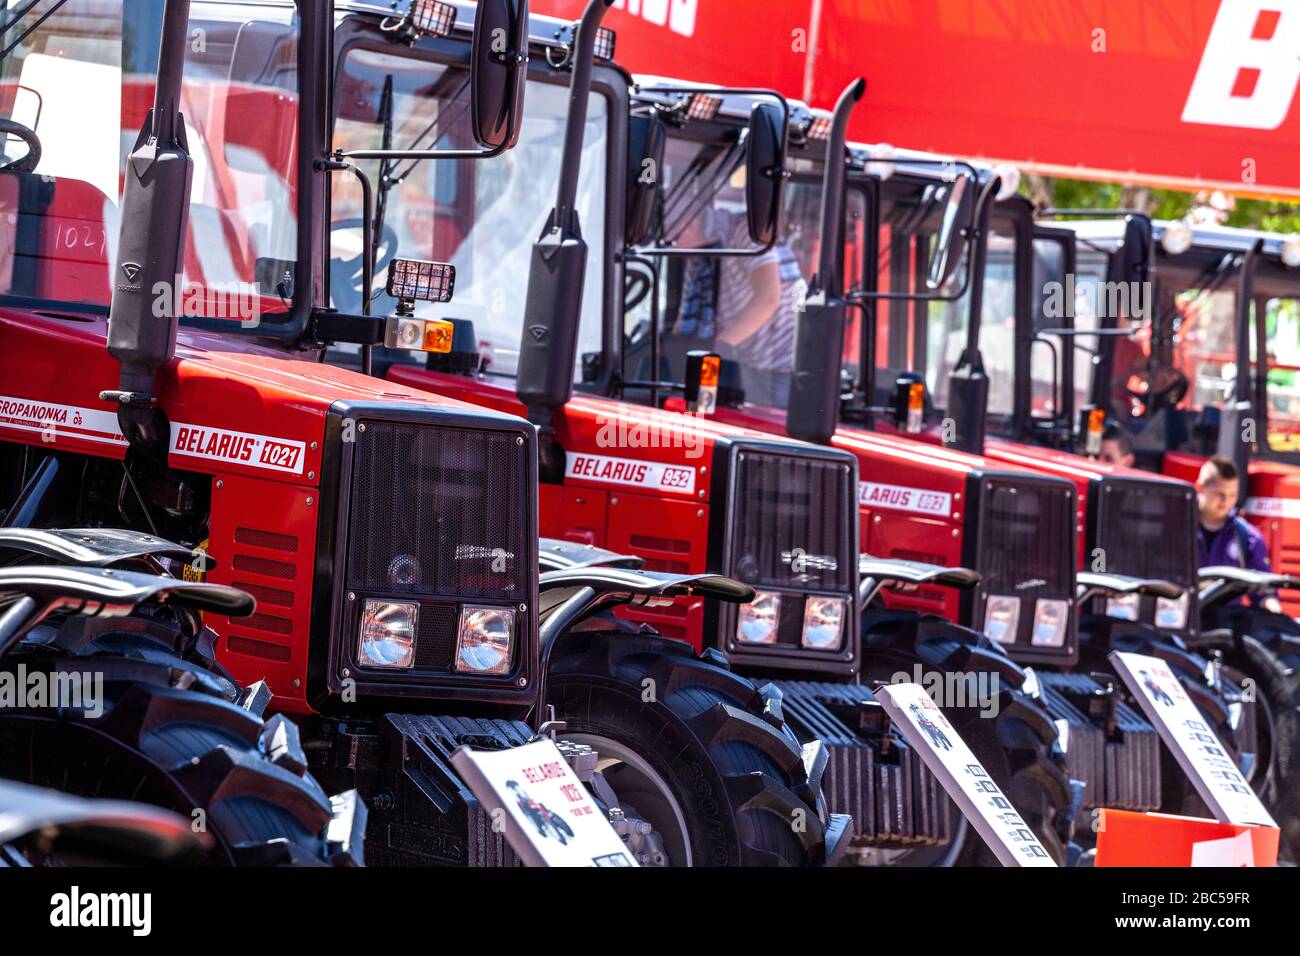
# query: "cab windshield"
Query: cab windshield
744,308
76,82
481,216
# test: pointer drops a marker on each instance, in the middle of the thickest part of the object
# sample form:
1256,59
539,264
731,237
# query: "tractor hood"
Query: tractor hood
233,405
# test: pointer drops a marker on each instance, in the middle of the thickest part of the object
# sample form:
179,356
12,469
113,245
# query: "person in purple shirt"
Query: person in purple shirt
1223,536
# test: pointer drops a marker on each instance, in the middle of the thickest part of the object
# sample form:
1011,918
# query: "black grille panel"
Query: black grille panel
435,639
792,522
1145,529
1025,545
439,511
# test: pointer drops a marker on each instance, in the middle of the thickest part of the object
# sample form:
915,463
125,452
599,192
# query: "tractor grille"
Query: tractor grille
442,516
1024,547
1145,529
439,512
791,528
791,522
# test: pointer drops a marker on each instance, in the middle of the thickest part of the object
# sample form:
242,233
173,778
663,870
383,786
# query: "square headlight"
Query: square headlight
1051,622
485,640
1171,613
759,618
387,634
1001,618
823,624
1124,607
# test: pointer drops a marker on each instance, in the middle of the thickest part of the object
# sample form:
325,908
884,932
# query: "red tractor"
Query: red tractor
1172,321
167,399
941,506
629,466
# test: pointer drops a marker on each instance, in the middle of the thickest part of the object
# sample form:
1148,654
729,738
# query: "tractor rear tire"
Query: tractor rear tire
705,746
1277,686
161,741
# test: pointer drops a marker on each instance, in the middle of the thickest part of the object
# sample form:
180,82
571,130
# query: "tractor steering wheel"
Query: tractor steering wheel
26,163
345,271
1162,387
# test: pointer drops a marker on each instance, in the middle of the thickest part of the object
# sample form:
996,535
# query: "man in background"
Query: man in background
1117,446
1223,537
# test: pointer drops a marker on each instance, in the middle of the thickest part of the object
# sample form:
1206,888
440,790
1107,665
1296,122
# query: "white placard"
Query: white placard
1191,740
547,815
946,755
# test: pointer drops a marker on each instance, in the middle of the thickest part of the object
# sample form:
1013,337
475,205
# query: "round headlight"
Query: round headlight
485,640
1008,180
1291,250
759,618
823,624
1177,238
387,636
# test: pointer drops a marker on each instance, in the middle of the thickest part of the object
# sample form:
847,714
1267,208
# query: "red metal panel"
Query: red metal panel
263,538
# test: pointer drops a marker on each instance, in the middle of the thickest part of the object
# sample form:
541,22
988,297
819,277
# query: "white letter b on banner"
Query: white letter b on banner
1250,67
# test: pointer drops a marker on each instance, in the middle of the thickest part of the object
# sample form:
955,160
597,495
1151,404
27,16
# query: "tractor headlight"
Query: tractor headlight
387,637
485,640
759,618
1051,622
1001,618
823,624
1124,607
1171,613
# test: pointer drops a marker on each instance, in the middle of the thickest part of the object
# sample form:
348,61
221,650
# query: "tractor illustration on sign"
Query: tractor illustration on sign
547,822
937,736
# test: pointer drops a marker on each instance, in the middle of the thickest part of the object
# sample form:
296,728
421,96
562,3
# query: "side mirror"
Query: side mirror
765,172
646,140
498,72
950,241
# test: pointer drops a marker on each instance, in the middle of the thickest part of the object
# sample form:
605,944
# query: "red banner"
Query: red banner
1182,93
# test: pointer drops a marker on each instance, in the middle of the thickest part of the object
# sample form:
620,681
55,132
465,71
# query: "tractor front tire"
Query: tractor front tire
700,752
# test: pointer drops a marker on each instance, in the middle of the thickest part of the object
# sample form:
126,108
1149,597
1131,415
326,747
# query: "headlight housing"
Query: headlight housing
387,634
1171,613
485,639
1051,622
1001,618
823,623
758,620
1124,607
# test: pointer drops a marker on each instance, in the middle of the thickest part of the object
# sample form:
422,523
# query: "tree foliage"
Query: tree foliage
1269,215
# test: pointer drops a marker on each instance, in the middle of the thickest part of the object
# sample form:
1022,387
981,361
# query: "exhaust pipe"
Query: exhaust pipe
553,308
151,249
814,408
